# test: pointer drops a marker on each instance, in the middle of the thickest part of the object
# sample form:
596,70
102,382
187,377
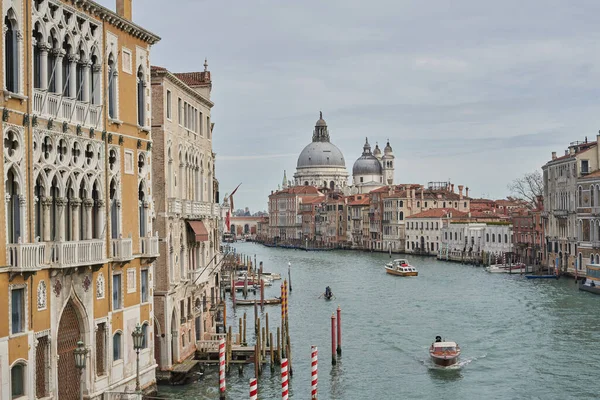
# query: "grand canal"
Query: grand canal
520,339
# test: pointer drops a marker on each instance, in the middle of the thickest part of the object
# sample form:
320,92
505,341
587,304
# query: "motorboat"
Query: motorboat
507,269
272,276
444,353
401,267
592,280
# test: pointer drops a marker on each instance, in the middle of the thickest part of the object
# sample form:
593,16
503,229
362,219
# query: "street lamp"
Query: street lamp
138,342
80,353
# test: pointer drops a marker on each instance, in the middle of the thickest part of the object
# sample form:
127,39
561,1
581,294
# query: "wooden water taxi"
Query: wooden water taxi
444,354
401,267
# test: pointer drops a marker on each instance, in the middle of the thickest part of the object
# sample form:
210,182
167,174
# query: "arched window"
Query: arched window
96,227
181,259
37,57
39,194
114,210
112,87
94,80
487,237
141,97
79,76
117,353
505,238
53,67
592,197
401,216
17,380
144,336
11,52
142,209
580,196
418,204
66,68
13,217
493,237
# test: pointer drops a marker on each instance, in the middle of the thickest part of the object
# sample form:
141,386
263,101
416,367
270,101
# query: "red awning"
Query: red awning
200,230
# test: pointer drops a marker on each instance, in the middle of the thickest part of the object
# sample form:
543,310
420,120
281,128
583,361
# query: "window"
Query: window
17,381
145,336
169,104
144,285
11,52
100,339
13,218
487,237
141,97
505,238
584,167
17,310
112,87
117,347
116,289
179,111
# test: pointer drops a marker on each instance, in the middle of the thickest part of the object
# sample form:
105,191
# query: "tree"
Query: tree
528,187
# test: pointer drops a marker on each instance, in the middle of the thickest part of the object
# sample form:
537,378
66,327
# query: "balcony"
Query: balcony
75,254
149,246
121,249
191,208
25,258
54,106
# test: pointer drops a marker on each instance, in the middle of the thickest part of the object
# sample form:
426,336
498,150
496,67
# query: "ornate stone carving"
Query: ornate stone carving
100,286
41,295
62,201
86,283
57,287
75,202
88,203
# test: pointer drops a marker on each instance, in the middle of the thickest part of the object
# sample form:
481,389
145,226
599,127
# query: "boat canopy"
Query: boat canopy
444,344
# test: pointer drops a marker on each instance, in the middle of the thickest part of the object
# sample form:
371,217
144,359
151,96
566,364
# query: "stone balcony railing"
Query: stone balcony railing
149,246
76,253
192,208
122,249
55,106
33,256
26,256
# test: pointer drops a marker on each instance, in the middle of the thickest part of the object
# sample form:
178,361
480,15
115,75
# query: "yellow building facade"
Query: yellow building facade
79,238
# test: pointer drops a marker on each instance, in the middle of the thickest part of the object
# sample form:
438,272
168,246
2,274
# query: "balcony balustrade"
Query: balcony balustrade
54,106
192,208
76,253
122,249
149,246
25,256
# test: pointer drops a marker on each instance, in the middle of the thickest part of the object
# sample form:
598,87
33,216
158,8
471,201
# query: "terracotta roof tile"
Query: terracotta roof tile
194,78
438,213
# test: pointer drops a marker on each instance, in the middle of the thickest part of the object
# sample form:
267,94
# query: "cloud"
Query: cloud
255,157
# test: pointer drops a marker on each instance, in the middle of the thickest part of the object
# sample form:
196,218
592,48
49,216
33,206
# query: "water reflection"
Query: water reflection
445,374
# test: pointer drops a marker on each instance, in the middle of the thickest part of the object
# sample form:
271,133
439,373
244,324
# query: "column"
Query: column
88,204
47,232
73,75
43,65
75,204
85,90
61,203
58,71
99,218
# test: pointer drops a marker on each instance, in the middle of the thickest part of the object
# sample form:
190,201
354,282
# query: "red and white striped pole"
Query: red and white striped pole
222,369
253,389
284,379
314,375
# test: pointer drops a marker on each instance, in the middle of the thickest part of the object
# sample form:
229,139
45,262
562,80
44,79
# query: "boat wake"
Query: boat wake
463,362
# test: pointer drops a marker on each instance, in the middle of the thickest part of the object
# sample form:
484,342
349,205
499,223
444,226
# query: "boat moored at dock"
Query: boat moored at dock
401,267
507,269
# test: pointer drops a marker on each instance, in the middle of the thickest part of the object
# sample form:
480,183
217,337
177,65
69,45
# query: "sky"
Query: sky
475,92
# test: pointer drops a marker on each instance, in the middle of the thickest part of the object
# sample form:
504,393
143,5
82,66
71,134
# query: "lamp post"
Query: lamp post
80,353
138,338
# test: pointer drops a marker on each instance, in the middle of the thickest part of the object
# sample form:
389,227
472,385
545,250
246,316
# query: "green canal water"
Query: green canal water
520,339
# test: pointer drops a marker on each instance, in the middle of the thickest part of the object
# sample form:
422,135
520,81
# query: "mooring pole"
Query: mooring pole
339,331
333,350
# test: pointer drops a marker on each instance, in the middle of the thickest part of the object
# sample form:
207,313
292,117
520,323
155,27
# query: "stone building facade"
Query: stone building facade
79,239
563,198
188,214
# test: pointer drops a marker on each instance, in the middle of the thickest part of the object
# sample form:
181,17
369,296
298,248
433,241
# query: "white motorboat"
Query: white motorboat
507,269
401,267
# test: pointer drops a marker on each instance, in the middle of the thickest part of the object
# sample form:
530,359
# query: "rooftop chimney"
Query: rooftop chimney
124,9
554,155
460,189
452,187
467,192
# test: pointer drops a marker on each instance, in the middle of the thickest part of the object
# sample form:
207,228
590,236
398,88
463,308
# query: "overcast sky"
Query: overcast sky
477,92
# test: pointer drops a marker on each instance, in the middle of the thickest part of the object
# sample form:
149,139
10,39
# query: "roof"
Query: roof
594,174
359,202
439,213
299,190
194,78
444,344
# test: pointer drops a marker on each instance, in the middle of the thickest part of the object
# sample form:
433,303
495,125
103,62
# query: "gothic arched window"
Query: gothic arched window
141,98
11,52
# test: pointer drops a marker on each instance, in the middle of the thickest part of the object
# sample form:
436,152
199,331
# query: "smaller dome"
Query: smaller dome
321,121
367,165
377,151
388,148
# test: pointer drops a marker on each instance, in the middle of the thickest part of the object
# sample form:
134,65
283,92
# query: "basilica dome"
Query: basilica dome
367,163
321,154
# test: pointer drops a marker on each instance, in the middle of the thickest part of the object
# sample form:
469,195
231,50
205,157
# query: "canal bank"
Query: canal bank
519,338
